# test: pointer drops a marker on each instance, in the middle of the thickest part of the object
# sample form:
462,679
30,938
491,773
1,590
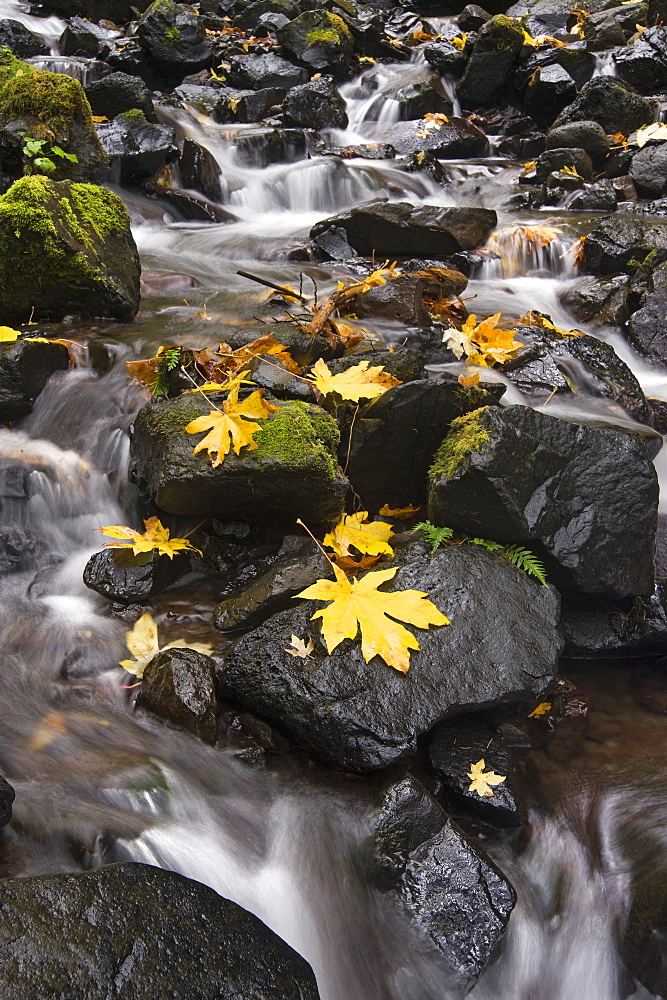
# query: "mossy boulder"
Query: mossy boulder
318,39
174,39
53,107
490,66
293,473
66,249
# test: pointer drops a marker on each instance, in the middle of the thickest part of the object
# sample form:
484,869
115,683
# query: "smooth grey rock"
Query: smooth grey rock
178,685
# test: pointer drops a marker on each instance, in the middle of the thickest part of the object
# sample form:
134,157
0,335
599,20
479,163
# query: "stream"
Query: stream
97,782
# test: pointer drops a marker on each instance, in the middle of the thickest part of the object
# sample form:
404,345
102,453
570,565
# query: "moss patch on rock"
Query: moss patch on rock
467,434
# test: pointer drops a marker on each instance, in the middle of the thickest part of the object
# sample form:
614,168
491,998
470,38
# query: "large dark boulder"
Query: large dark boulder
424,97
490,66
547,92
614,242
179,686
136,147
600,300
646,327
6,800
455,139
585,498
198,169
66,249
15,36
317,105
649,170
92,935
259,72
643,64
320,40
120,576
445,58
119,92
246,106
25,368
458,901
292,473
556,159
607,102
501,648
174,39
588,136
399,229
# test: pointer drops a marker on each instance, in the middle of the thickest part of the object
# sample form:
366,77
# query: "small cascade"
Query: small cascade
48,28
528,250
371,98
79,67
604,64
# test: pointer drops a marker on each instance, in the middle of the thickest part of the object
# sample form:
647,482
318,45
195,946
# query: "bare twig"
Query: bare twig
271,284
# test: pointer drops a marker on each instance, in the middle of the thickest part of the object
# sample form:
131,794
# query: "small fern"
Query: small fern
168,359
527,561
434,536
485,543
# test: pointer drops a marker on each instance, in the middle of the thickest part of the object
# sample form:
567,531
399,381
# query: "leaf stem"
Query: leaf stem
309,532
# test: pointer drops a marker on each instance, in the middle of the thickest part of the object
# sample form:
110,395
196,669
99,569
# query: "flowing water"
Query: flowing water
98,782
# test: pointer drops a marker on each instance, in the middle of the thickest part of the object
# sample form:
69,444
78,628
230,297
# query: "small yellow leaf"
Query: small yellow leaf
300,647
481,782
400,513
542,709
370,539
156,536
571,172
647,132
358,382
460,41
99,118
142,642
469,379
7,335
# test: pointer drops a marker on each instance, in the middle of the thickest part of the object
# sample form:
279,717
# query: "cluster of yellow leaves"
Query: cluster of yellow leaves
380,276
618,139
581,15
570,171
534,318
481,781
460,41
143,643
469,379
433,123
529,166
656,131
359,605
354,531
543,40
358,382
538,236
483,343
232,426
156,536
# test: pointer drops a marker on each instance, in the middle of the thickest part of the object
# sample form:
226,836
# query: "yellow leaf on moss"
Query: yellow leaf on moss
481,782
156,536
358,604
368,538
358,382
231,427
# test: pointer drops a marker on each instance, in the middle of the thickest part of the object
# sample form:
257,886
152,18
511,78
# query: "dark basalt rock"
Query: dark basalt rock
84,38
15,36
120,576
178,685
404,363
398,229
248,16
459,743
472,18
25,368
262,146
556,159
6,800
199,169
107,932
245,106
264,71
643,64
547,93
583,497
319,40
599,197
457,138
317,105
20,549
600,300
298,564
445,58
607,102
588,136
396,436
174,39
649,170
119,92
602,627
136,147
646,327
400,300
193,206
502,648
458,900
292,473
418,99
613,243
489,68
578,63
304,348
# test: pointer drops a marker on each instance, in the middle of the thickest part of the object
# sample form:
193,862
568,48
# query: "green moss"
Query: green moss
172,35
99,209
10,66
322,37
467,433
169,418
50,100
299,434
471,397
133,117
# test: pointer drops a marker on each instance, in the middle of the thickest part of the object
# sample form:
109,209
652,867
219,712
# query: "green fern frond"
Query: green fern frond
169,358
434,536
485,543
527,561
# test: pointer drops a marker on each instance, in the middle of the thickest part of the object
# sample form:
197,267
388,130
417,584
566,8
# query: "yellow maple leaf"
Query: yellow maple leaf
542,709
481,782
433,123
656,131
369,538
400,513
483,343
469,379
143,643
300,648
156,536
460,41
571,171
358,382
358,604
7,335
535,318
231,427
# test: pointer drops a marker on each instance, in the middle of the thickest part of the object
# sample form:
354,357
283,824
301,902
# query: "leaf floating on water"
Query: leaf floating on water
300,647
358,382
142,642
354,530
156,536
542,709
358,604
481,782
231,427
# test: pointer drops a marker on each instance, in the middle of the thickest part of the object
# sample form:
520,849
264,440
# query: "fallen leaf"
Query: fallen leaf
460,41
231,427
358,604
55,724
300,647
481,782
7,335
156,536
469,379
433,123
647,132
400,513
142,642
484,343
99,118
535,318
542,709
358,382
351,566
570,171
368,538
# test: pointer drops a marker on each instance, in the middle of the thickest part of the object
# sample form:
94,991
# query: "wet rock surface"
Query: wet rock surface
178,686
600,627
6,800
25,368
119,575
612,244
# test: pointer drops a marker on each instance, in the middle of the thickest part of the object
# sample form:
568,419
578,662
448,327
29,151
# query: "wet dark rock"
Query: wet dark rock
549,91
559,183
298,564
260,147
600,300
317,104
472,18
644,944
130,58
261,72
643,64
554,159
584,498
489,68
400,300
15,36
456,139
607,102
25,368
502,648
178,686
293,472
588,136
459,743
603,30
332,245
83,38
173,39
11,158
319,40
203,97
404,363
418,99
396,436
445,58
636,626
624,188
120,576
119,92
646,327
109,930
458,900
6,800
248,16
598,197
304,348
194,207
614,242
578,63
649,170
398,229
20,549
246,106
136,147
198,169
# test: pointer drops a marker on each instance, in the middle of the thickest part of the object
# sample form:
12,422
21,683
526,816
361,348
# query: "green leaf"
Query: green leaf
33,146
57,151
434,536
485,543
45,164
527,561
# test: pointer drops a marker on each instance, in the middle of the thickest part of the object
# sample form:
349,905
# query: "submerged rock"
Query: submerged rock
6,800
107,932
178,685
120,576
501,648
584,497
292,473
25,368
66,249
